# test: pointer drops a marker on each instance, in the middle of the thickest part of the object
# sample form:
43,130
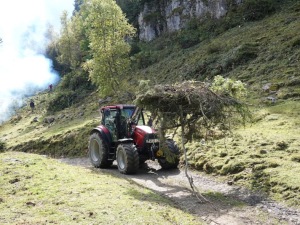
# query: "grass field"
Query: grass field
38,190
264,155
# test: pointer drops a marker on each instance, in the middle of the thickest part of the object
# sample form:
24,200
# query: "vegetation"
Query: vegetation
193,105
107,30
2,146
262,52
38,190
263,155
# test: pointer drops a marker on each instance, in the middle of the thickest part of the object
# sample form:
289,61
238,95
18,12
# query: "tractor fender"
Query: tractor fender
104,134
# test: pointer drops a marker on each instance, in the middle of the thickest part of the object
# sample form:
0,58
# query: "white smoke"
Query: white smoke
23,68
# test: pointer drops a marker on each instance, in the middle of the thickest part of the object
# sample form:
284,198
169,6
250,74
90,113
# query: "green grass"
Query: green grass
39,190
63,137
263,155
254,52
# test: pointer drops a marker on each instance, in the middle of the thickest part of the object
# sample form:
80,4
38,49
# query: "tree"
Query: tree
77,5
108,30
131,8
73,44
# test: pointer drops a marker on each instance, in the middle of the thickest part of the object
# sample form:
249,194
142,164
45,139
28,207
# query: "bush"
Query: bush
232,167
145,58
233,88
188,38
240,55
296,158
62,100
75,80
2,146
257,9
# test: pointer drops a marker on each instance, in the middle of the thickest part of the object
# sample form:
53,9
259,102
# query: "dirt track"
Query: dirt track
220,210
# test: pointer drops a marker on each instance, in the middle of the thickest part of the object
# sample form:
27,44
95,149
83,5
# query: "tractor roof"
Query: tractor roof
118,106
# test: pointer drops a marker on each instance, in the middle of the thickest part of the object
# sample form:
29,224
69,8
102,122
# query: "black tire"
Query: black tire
164,163
98,152
127,158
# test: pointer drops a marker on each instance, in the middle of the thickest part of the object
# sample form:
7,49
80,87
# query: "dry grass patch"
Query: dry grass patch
38,190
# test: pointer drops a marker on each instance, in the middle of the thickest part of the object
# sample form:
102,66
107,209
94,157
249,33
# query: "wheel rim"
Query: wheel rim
121,159
95,153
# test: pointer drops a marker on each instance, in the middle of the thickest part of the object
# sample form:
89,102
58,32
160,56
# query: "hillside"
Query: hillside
39,190
264,155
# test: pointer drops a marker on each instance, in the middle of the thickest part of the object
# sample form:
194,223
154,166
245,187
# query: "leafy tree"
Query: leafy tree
108,30
71,49
131,8
77,5
52,51
67,46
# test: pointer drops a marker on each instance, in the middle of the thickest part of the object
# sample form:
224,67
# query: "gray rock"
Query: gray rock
49,120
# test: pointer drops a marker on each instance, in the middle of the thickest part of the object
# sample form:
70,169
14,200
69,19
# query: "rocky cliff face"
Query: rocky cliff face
162,16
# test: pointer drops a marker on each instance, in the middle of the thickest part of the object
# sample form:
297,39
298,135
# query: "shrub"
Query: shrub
75,80
62,100
144,59
240,55
225,85
2,146
296,42
232,167
188,38
257,9
296,158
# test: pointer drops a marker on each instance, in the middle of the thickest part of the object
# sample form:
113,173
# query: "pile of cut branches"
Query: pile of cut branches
192,105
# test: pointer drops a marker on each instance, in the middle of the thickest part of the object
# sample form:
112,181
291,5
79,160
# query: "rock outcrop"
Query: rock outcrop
165,16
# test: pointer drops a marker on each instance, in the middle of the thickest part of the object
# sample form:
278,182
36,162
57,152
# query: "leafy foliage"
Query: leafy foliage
227,86
76,80
92,50
131,8
2,146
257,9
62,100
107,30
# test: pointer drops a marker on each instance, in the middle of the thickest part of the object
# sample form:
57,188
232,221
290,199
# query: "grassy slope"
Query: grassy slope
264,155
275,41
63,137
38,190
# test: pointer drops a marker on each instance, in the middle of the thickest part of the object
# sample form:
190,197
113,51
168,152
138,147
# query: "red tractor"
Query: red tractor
123,136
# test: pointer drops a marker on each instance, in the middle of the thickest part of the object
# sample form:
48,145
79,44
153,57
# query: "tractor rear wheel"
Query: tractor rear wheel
98,152
127,158
164,163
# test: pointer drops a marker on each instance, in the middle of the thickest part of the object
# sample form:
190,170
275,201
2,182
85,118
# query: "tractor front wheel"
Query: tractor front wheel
127,158
174,151
98,152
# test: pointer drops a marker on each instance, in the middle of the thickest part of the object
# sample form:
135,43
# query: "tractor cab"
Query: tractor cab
120,120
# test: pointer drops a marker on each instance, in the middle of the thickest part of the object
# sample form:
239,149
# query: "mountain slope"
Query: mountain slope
263,155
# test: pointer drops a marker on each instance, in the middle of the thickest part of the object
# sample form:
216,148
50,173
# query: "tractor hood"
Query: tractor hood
144,130
144,134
